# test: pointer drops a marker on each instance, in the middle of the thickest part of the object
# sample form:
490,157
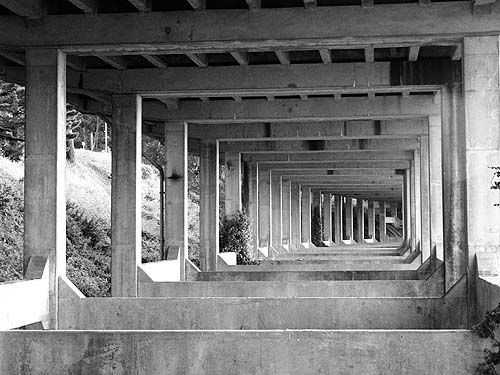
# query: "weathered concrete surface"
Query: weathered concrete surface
488,295
236,352
260,313
358,288
325,266
308,275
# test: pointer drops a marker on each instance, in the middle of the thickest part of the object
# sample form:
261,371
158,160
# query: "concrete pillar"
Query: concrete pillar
209,204
233,183
371,220
327,219
360,219
482,137
126,195
338,219
276,238
415,171
176,136
410,174
316,217
44,167
253,204
436,184
264,193
454,186
305,211
425,244
349,224
286,205
295,217
381,221
406,210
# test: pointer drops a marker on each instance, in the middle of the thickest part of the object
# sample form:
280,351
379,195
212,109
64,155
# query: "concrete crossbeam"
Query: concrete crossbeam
330,155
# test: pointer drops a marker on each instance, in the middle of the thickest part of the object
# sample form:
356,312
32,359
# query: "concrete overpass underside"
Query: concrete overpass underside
357,136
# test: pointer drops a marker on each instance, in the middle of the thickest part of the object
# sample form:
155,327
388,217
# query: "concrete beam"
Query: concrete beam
359,172
238,80
313,146
25,8
284,29
336,165
330,156
280,110
310,131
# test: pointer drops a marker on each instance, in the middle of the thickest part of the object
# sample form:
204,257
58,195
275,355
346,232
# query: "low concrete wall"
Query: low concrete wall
27,301
488,295
240,352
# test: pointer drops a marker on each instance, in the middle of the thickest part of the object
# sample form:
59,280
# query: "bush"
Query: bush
316,228
236,236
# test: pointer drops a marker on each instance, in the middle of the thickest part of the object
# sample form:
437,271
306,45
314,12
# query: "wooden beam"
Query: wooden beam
283,57
240,57
457,53
156,61
253,4
76,63
86,6
197,4
198,59
117,62
172,104
369,54
326,55
317,109
413,53
141,5
283,29
309,4
24,8
228,80
16,57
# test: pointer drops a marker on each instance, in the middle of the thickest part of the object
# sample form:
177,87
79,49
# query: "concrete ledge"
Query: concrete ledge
261,313
27,301
372,288
241,352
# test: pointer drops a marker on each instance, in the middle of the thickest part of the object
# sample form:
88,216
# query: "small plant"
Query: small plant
486,329
495,181
236,236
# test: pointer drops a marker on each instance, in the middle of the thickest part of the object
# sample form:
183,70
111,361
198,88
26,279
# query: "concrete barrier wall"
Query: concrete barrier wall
488,295
240,352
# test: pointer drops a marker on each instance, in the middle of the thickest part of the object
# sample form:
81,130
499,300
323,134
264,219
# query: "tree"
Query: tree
12,119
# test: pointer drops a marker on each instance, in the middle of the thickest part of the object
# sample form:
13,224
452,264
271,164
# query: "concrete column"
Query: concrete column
305,211
454,186
126,194
286,205
338,219
381,221
209,204
436,188
327,219
264,194
482,138
276,237
253,204
425,198
415,171
349,225
233,183
295,217
360,217
44,167
406,210
410,174
176,136
371,220
316,214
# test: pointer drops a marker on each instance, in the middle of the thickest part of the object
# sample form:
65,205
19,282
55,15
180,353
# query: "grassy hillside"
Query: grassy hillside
88,192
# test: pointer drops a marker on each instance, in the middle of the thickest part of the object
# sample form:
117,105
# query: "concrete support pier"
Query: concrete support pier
382,230
264,193
349,224
209,205
253,204
286,206
276,200
176,136
371,220
327,219
44,167
360,221
305,211
233,183
126,194
295,217
338,219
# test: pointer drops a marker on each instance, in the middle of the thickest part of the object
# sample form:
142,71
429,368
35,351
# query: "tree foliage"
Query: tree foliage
12,119
235,235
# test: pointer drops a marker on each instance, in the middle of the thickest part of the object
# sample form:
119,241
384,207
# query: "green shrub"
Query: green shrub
236,236
316,228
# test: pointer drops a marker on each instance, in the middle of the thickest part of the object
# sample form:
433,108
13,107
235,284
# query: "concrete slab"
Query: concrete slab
290,352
